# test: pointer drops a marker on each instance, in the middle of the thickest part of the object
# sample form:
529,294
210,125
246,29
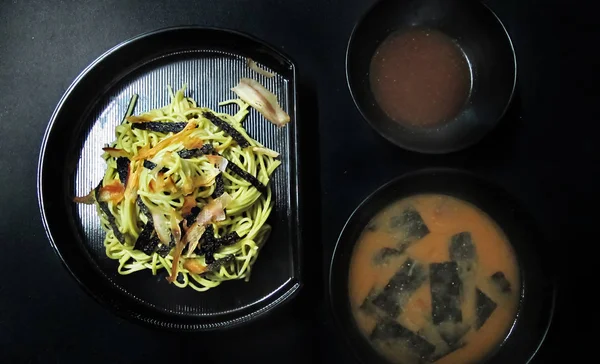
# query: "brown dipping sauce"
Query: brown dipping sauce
420,77
433,279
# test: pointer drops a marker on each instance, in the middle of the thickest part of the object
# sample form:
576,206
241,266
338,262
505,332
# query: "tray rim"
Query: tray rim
287,291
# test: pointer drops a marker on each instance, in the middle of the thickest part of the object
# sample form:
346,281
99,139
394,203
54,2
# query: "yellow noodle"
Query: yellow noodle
247,214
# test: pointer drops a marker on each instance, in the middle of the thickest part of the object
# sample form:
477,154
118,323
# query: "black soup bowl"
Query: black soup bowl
537,292
486,45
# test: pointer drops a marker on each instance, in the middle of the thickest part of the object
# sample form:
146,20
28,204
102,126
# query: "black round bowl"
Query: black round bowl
537,298
486,45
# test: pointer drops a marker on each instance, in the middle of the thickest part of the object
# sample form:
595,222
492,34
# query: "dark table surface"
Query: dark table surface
544,153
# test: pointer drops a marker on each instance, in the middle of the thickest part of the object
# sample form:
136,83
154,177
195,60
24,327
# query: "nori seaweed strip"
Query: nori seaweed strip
219,186
207,149
452,333
151,165
462,250
367,304
500,281
228,129
111,218
409,277
462,247
247,176
384,255
411,224
208,245
209,257
446,288
219,262
189,153
144,209
147,241
163,250
484,308
196,152
192,216
450,350
207,240
229,239
390,330
123,169
160,127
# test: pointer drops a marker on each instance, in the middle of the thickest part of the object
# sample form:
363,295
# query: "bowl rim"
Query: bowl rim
381,132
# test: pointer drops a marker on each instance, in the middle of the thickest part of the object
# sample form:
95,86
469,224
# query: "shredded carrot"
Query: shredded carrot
152,186
189,202
88,199
179,246
193,143
135,169
139,119
177,138
143,150
165,184
204,181
115,152
112,192
190,185
194,266
214,159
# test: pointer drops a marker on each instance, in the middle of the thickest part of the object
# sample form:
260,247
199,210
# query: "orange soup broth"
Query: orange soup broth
444,216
